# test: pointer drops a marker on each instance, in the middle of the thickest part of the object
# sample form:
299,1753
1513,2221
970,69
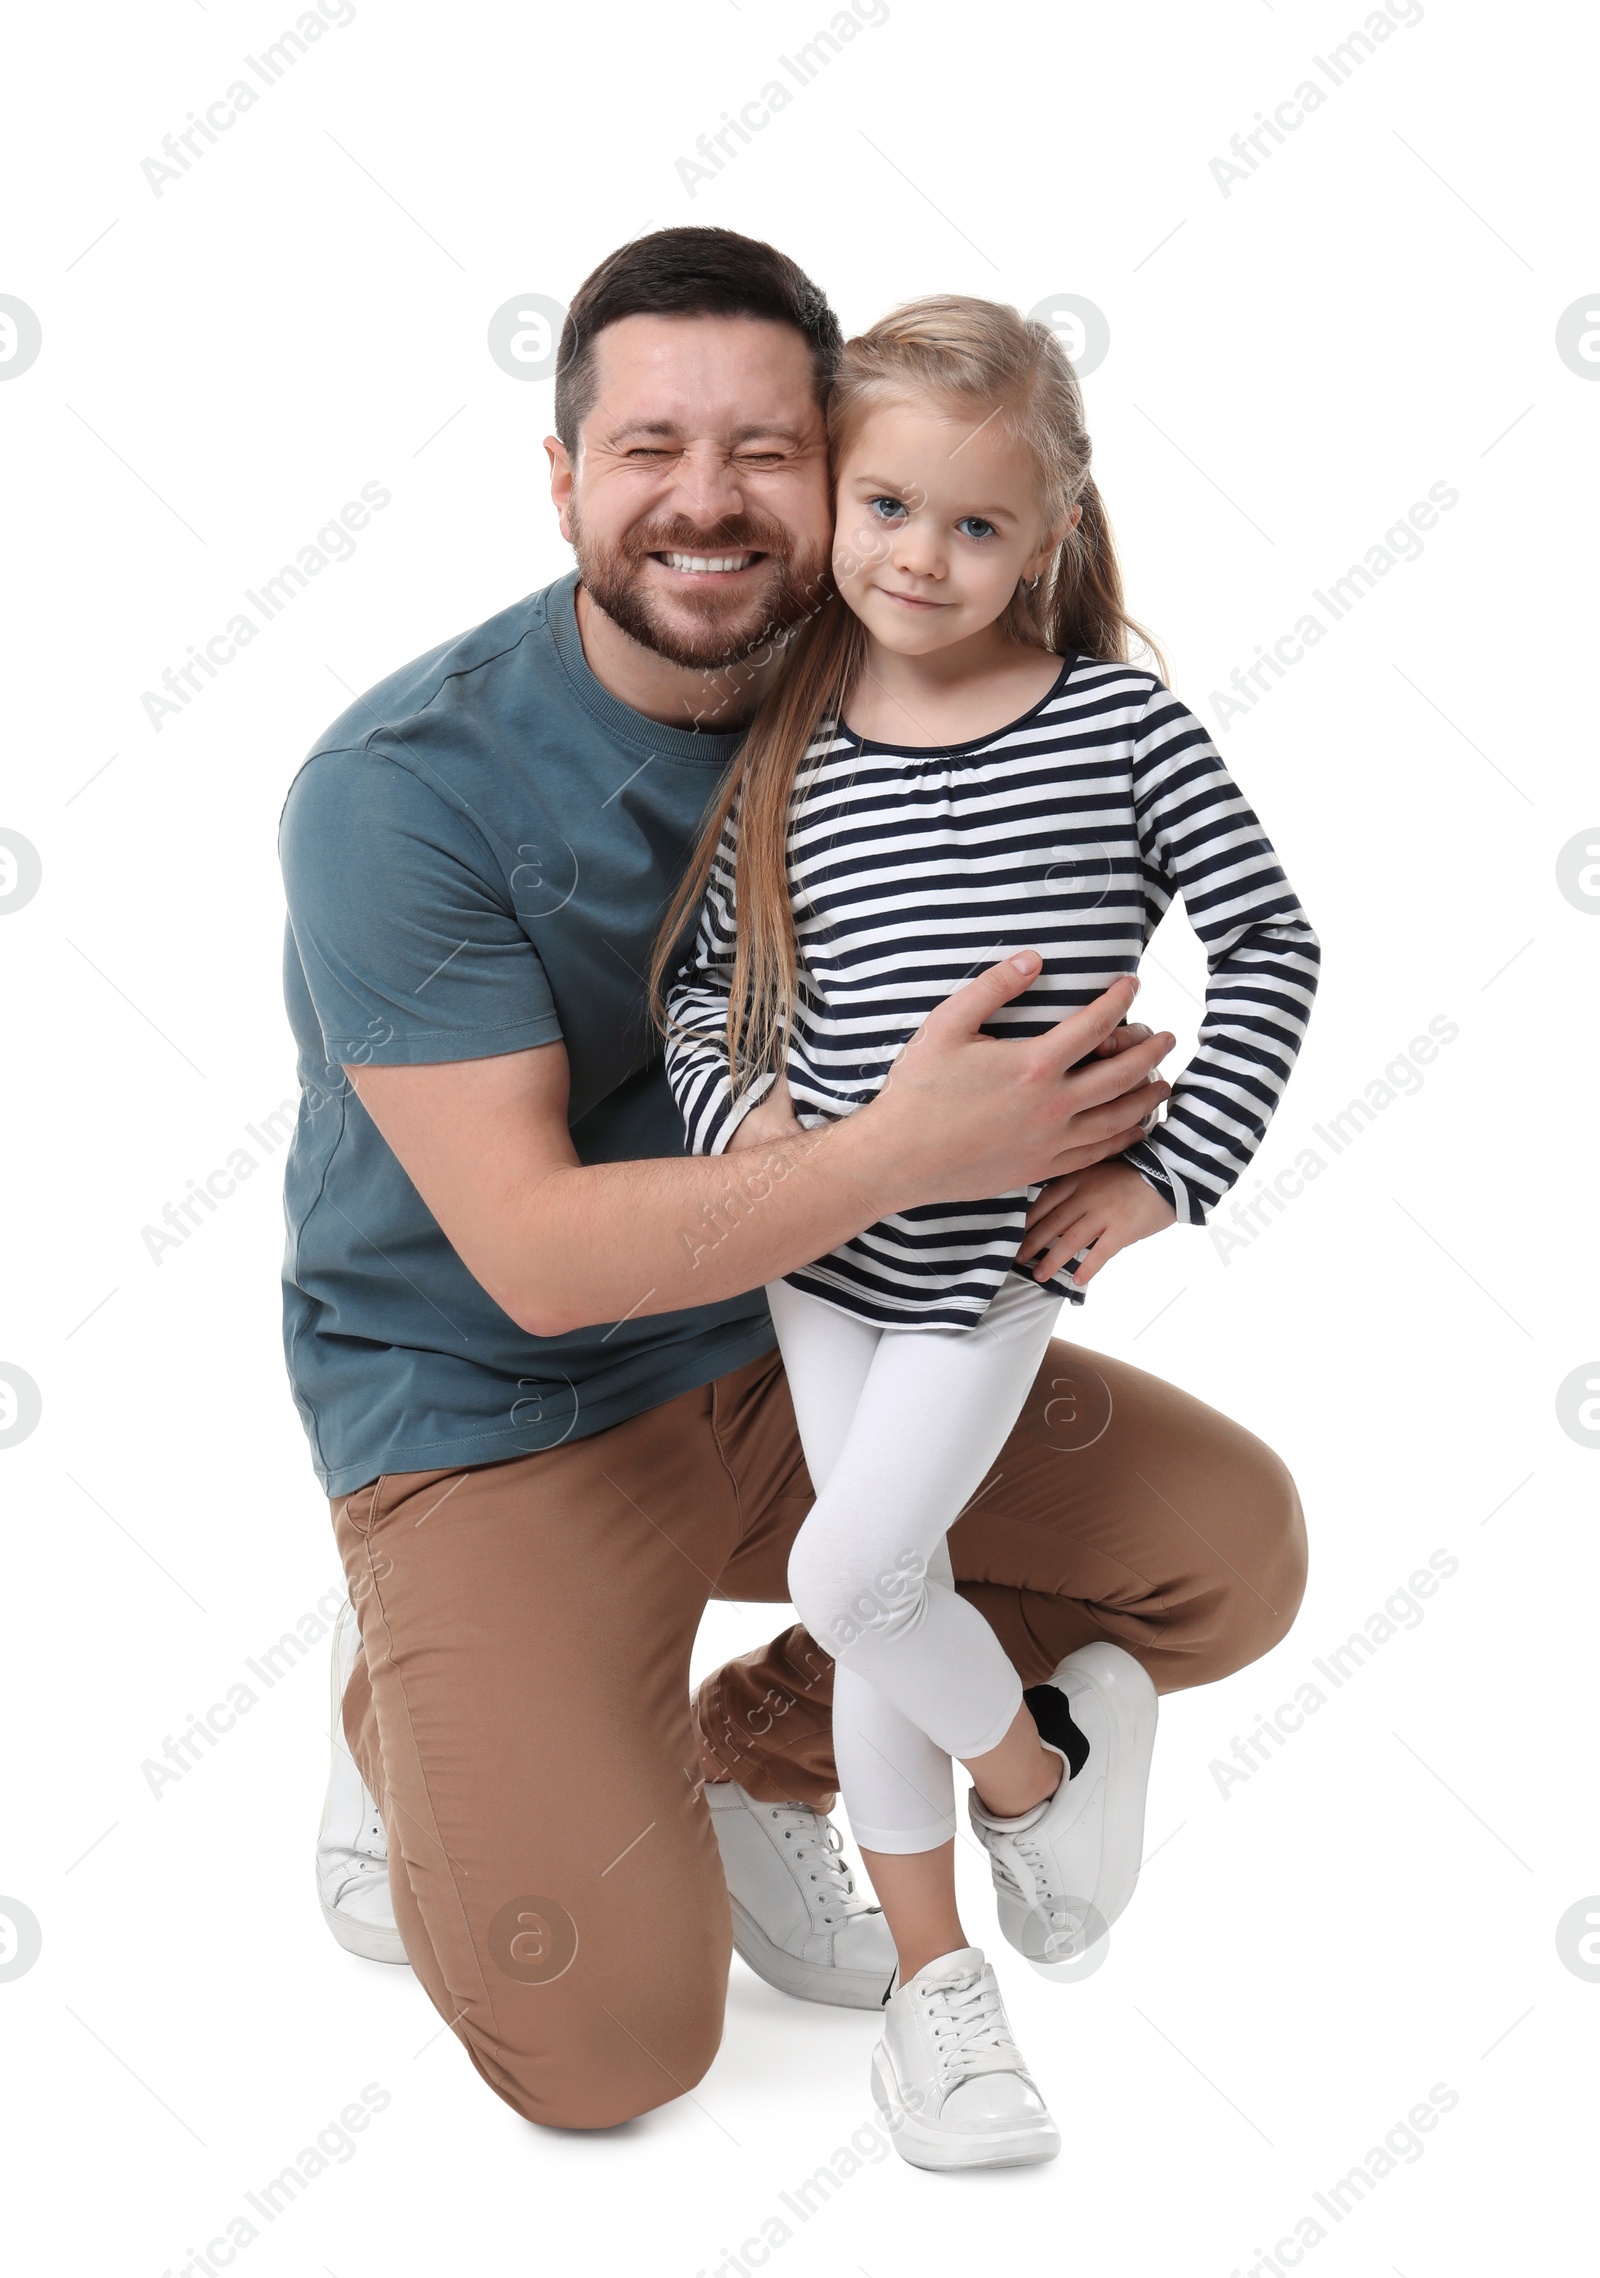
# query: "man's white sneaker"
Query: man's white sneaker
1064,1871
352,1847
798,1919
949,2078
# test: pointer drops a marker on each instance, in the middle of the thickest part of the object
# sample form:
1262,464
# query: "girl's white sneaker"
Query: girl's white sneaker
1064,1871
949,2078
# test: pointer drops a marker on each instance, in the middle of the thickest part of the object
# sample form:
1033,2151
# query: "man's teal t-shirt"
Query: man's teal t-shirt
476,856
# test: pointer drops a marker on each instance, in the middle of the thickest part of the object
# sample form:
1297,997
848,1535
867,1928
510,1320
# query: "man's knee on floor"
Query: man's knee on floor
841,1595
617,2069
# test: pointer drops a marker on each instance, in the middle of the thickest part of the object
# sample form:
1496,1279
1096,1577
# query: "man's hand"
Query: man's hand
773,1117
1101,1210
963,1113
1130,1032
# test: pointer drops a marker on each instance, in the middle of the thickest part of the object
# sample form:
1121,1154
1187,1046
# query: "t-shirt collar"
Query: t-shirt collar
700,746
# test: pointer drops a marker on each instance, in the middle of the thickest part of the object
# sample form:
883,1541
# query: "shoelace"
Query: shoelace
1064,1928
1047,1901
831,1870
970,2032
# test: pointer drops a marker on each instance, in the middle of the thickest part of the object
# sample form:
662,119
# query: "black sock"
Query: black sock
1050,1713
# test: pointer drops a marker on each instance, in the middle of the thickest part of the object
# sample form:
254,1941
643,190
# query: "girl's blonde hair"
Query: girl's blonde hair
979,357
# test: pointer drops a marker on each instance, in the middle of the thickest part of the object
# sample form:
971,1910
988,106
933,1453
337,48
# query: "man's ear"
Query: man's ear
561,481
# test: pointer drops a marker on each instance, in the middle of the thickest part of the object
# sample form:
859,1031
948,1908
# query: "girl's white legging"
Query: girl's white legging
899,1429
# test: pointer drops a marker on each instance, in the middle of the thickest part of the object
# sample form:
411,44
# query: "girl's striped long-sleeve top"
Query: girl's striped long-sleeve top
1068,832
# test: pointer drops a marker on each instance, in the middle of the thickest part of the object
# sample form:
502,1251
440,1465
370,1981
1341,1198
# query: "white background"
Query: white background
1373,310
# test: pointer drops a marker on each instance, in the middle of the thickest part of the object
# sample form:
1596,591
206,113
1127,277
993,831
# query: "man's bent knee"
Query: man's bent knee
609,2069
1264,1592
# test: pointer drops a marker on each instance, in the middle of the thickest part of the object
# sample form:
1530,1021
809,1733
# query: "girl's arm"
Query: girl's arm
1199,838
698,1069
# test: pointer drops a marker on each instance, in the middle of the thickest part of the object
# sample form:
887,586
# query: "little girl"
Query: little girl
960,763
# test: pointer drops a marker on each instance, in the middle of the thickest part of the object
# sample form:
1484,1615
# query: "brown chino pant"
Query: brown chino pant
523,1712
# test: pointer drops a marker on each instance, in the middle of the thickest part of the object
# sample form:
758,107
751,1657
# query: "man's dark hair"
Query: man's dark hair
687,272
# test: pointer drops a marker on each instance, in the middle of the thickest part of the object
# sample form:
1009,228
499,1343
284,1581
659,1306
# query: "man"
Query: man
527,1334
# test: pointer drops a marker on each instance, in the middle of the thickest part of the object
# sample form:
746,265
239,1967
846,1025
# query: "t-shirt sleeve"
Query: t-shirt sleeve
404,921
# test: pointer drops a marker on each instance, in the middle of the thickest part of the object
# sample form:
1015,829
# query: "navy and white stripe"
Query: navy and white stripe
1068,832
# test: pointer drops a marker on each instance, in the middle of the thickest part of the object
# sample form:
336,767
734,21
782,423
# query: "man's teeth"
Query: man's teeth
705,562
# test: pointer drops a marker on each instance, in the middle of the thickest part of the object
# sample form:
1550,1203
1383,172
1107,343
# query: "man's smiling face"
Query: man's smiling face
698,506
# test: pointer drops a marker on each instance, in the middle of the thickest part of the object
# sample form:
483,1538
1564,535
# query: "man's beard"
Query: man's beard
722,629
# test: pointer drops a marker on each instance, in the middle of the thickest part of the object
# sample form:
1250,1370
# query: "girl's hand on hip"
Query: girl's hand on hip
1101,1210
771,1118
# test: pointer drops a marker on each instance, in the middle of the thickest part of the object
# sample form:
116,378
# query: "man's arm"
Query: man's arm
559,1244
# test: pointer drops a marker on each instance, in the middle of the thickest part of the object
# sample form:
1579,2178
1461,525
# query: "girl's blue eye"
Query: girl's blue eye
974,526
887,508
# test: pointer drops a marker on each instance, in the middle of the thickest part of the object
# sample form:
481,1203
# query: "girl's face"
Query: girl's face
937,520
